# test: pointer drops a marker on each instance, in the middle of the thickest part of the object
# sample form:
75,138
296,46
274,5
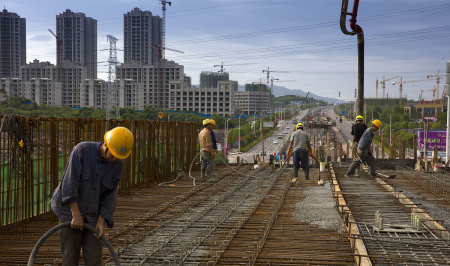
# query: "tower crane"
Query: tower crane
383,85
163,33
270,71
160,51
401,85
434,93
438,78
59,53
223,69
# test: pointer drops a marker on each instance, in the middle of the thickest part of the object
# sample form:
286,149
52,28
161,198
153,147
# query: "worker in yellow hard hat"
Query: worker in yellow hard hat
88,193
357,130
207,152
363,153
299,142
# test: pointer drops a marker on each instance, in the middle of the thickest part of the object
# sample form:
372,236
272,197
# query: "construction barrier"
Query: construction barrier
34,152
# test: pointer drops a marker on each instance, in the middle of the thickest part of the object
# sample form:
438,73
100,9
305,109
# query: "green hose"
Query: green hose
68,224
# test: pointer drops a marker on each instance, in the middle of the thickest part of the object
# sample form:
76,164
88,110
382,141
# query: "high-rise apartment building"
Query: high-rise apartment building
141,32
12,44
79,36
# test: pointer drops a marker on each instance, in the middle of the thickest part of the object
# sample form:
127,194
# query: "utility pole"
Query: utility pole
447,92
356,30
112,106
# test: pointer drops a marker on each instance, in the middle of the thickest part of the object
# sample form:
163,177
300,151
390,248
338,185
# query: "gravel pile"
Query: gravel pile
318,208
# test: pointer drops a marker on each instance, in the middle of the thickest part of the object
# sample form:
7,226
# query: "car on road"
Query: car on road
275,142
261,153
286,132
287,127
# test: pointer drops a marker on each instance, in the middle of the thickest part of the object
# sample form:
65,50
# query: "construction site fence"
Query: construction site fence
35,151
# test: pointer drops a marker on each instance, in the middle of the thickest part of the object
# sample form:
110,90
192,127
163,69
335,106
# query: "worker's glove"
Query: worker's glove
359,152
311,154
289,153
212,154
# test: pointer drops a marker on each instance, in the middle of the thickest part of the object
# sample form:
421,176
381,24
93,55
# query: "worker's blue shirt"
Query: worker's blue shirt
91,182
365,141
213,140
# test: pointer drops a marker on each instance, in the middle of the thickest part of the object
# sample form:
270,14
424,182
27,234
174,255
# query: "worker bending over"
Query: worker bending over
88,193
363,150
206,151
357,131
299,142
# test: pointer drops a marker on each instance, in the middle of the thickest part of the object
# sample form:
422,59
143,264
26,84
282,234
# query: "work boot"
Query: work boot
295,171
306,171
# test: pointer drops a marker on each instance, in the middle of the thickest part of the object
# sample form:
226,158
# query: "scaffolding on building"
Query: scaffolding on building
209,79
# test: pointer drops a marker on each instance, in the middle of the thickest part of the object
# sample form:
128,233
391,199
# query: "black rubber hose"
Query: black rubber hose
67,224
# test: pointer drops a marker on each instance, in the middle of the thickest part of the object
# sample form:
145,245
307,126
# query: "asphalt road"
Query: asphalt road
345,127
269,146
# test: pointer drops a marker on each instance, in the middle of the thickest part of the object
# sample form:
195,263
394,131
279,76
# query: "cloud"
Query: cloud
45,37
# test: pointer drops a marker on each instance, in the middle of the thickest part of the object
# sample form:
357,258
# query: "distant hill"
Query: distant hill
281,91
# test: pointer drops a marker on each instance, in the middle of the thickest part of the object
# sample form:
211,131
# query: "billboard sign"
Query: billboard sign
434,138
268,124
344,112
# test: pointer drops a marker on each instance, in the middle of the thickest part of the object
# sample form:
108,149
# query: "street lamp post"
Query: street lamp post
226,137
168,117
390,129
239,136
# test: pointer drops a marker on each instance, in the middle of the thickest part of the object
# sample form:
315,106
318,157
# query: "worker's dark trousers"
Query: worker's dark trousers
369,160
72,240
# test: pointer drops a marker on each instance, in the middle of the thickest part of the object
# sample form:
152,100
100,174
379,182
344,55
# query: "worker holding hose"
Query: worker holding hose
363,150
299,142
357,131
88,193
207,153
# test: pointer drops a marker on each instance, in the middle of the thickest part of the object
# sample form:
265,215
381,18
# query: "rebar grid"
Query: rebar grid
437,183
172,242
364,197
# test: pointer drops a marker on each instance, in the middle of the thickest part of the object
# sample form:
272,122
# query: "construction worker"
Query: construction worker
363,150
88,193
214,145
357,131
206,151
299,142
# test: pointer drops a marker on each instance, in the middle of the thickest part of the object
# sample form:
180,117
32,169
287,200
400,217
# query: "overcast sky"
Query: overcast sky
409,38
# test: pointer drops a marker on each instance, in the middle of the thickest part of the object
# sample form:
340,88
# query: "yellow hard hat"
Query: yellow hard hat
119,141
212,121
377,123
299,125
206,121
359,118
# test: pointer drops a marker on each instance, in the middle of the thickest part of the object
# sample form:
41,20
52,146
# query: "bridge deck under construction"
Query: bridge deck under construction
261,219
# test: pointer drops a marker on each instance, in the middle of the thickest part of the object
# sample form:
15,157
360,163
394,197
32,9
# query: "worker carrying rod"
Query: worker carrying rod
88,194
299,142
357,131
207,153
363,150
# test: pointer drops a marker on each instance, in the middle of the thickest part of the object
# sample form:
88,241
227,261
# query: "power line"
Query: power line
327,49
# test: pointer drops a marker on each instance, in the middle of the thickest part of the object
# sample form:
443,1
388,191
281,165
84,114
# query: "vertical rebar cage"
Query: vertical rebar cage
34,152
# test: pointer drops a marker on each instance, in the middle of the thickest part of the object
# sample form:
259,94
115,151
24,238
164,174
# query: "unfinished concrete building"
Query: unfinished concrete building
13,44
218,100
209,79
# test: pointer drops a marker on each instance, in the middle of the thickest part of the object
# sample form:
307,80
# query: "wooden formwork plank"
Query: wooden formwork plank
361,255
